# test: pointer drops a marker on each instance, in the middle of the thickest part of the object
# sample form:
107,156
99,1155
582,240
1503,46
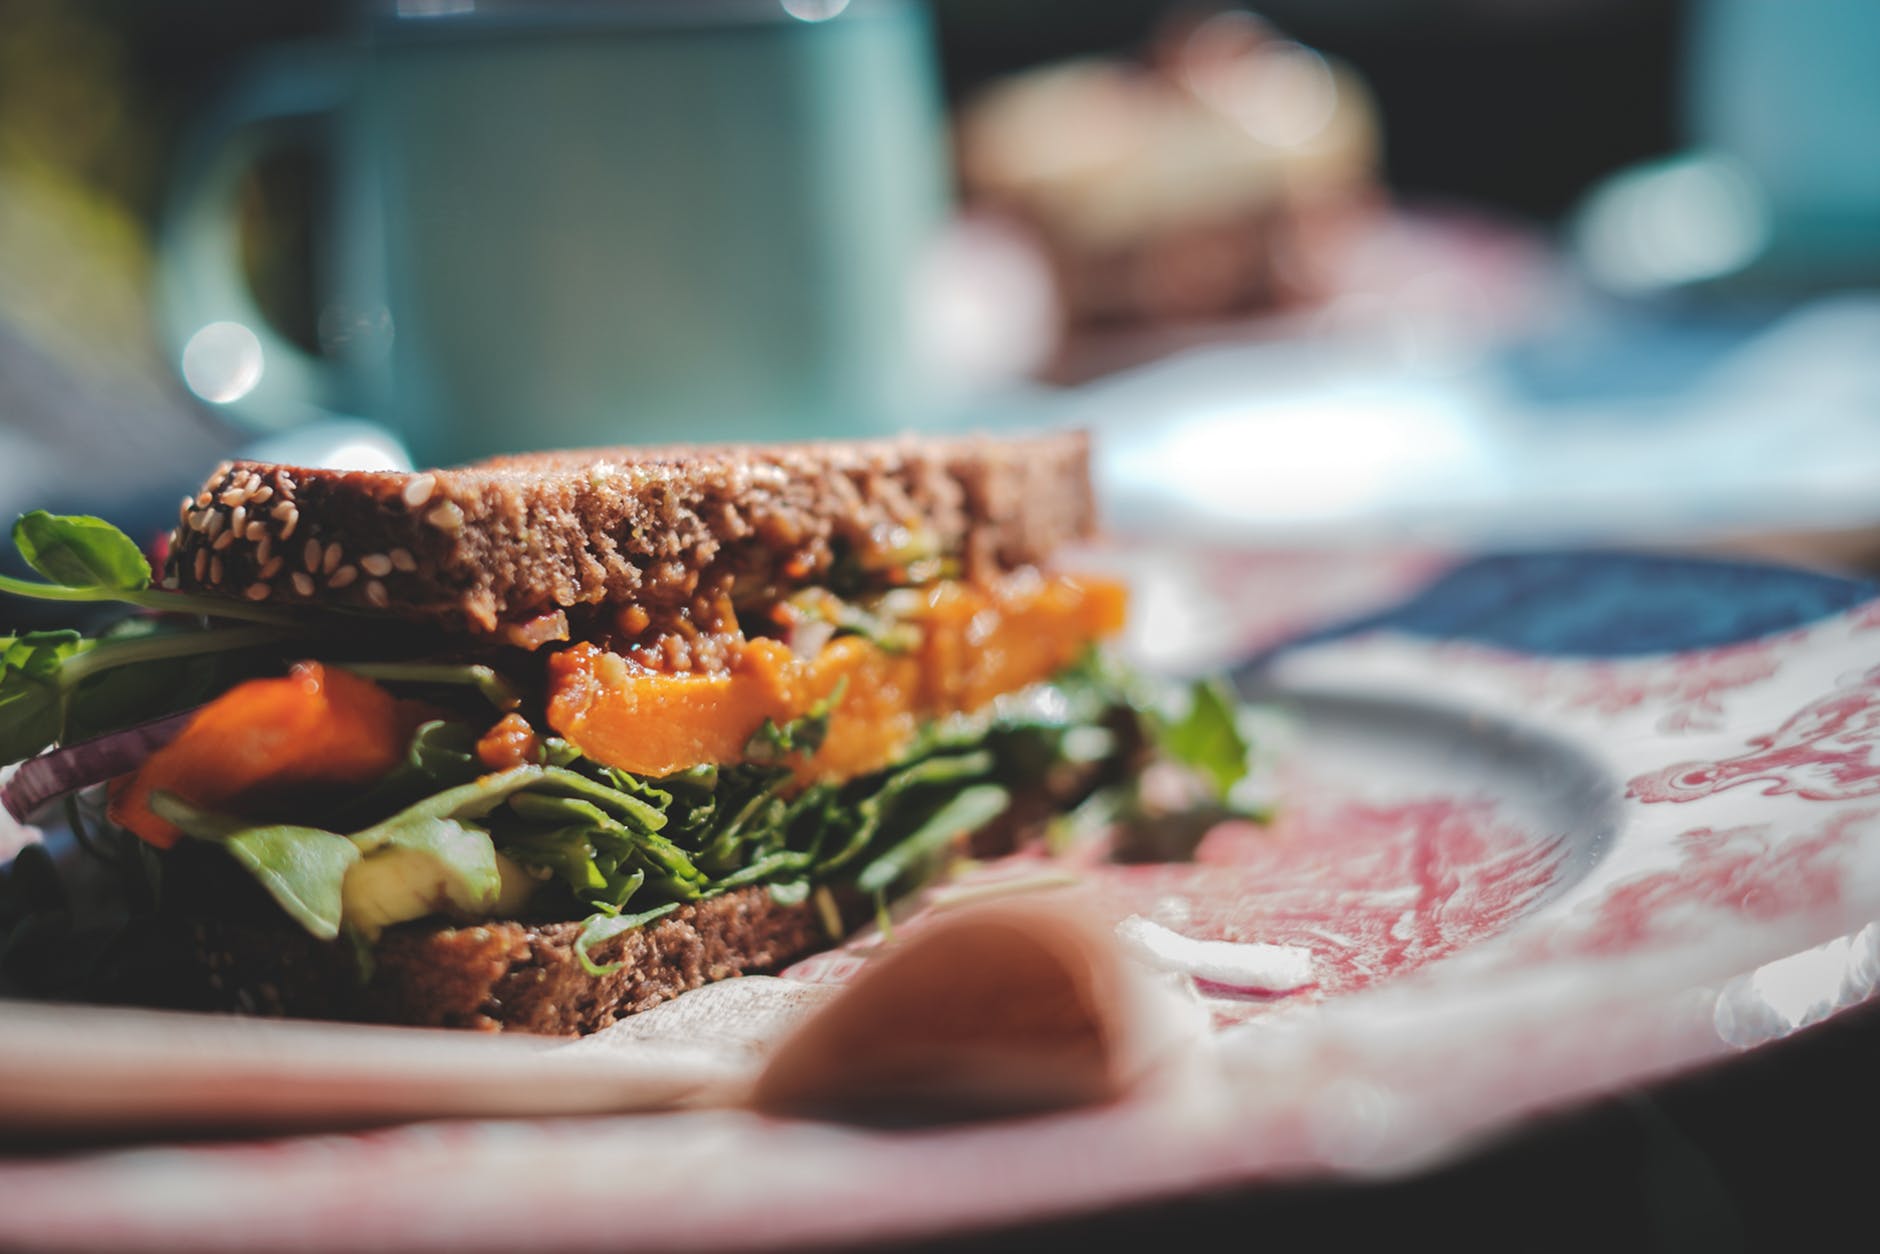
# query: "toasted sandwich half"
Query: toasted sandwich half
539,742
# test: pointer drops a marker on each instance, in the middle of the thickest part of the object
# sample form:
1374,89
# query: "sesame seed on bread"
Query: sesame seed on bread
501,542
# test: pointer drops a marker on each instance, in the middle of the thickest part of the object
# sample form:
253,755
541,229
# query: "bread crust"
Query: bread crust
502,542
503,976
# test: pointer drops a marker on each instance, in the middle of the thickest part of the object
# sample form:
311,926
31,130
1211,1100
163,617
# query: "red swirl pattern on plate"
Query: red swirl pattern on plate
1687,688
1373,891
1824,752
1756,872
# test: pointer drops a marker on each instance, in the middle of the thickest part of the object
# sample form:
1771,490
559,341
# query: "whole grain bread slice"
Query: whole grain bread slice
501,542
501,976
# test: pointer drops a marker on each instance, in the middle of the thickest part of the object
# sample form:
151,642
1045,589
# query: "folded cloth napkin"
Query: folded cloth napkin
996,1009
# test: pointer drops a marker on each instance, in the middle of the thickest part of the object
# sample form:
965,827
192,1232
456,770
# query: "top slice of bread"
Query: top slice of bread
504,541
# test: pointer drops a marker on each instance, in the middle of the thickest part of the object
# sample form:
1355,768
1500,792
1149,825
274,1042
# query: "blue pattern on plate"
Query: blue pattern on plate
1609,604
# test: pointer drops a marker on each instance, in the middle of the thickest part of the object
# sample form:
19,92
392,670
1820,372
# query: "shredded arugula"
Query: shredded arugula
609,840
967,812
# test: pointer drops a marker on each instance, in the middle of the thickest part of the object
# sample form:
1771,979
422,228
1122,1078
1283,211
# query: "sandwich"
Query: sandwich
541,741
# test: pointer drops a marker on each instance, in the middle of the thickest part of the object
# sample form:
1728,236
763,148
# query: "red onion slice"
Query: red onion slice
52,775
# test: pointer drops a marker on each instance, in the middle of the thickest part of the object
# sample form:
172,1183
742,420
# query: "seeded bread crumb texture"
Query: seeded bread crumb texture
501,542
505,976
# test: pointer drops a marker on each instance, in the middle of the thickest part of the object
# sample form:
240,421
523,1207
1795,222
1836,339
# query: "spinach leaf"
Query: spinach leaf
598,826
441,755
872,811
558,752
79,551
41,654
621,890
540,811
790,892
135,690
738,814
55,685
760,870
87,559
567,852
444,752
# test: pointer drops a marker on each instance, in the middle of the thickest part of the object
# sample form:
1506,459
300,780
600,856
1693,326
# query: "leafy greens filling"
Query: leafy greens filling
604,845
620,849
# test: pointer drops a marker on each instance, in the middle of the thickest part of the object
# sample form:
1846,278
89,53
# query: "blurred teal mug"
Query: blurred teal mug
1791,93
568,222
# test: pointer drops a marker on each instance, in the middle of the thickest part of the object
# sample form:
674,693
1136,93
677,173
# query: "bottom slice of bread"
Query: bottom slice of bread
504,976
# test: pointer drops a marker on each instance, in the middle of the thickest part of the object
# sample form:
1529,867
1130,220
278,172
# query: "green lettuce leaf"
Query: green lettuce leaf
303,868
79,551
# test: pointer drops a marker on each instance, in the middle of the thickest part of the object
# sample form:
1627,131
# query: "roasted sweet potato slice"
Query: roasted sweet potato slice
266,739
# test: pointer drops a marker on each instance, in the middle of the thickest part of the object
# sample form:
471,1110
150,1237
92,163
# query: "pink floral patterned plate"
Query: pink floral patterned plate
1556,825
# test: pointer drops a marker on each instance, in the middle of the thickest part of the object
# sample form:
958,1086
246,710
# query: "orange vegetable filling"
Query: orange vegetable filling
974,645
265,741
511,742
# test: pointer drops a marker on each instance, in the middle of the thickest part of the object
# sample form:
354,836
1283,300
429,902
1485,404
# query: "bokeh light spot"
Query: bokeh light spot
222,362
814,10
